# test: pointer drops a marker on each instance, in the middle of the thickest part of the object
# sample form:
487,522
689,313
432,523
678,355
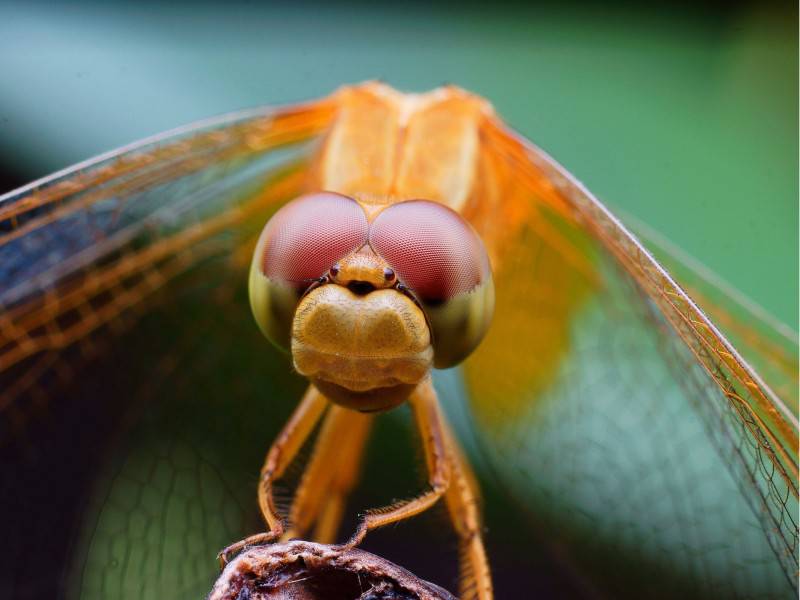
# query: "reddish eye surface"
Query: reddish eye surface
308,235
434,251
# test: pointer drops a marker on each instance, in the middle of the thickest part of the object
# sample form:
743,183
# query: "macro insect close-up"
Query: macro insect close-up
388,326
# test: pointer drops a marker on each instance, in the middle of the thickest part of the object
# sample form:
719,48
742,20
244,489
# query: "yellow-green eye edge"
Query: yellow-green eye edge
273,304
459,324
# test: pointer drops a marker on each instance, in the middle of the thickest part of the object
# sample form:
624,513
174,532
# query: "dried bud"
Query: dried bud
307,571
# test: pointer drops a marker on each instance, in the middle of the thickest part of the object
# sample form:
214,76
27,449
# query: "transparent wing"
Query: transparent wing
648,454
121,212
137,398
122,311
770,346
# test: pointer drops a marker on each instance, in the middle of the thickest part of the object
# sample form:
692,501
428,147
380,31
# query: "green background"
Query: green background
685,118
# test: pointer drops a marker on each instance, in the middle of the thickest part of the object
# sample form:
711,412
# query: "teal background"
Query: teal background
685,118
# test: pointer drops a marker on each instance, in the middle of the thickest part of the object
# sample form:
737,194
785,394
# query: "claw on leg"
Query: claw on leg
280,455
333,471
428,419
224,557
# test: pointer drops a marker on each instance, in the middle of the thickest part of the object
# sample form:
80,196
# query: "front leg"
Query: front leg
428,420
280,455
330,475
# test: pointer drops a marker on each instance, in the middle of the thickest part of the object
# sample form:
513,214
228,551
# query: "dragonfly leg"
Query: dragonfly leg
428,420
283,450
330,475
462,500
345,477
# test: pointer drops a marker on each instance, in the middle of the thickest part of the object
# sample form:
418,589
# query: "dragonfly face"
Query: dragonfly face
375,296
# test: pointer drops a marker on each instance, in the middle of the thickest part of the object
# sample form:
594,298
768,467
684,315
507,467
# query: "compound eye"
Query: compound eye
440,258
307,236
297,246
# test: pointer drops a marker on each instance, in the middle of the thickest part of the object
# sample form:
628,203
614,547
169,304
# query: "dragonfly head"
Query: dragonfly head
368,304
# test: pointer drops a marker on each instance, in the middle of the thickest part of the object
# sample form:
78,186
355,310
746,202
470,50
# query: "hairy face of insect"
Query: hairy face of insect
368,307
365,345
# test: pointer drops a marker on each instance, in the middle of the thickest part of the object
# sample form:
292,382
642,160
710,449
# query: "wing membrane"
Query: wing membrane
617,412
79,248
765,343
137,398
127,501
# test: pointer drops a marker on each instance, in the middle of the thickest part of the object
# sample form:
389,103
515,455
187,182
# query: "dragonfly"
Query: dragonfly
621,429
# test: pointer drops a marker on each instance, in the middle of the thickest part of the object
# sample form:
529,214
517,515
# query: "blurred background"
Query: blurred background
683,117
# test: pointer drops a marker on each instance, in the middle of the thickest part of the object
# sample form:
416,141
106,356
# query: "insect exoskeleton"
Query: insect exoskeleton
368,300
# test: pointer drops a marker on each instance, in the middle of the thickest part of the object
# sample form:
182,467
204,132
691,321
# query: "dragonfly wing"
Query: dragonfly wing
611,408
127,220
770,346
122,304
